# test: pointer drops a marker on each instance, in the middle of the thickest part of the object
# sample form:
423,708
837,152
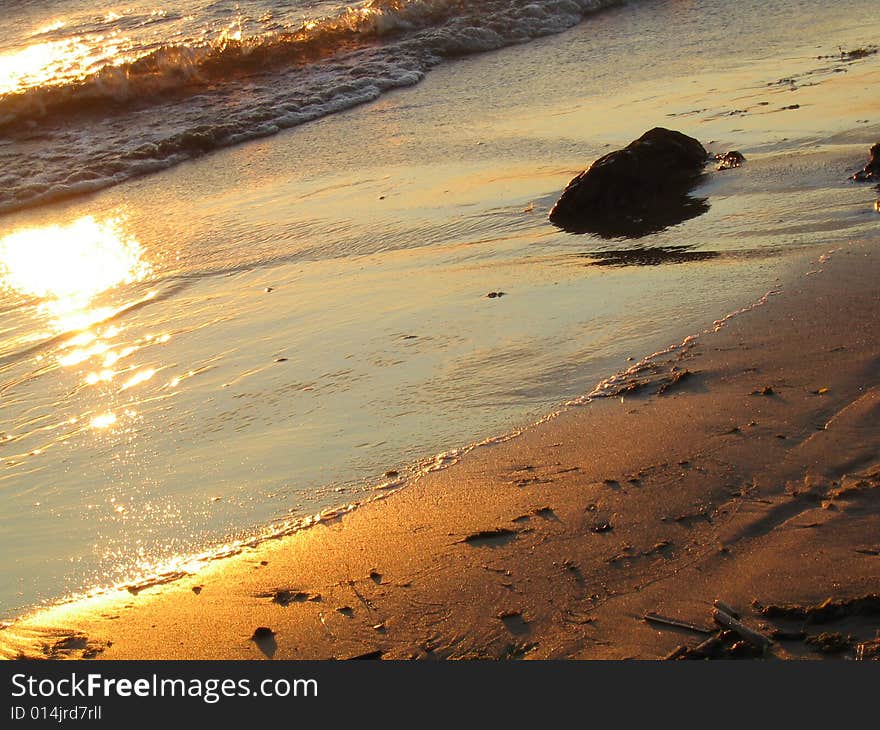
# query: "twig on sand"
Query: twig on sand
721,606
656,618
722,618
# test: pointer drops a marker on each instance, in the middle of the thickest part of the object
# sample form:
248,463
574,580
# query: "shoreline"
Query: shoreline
556,543
380,487
302,392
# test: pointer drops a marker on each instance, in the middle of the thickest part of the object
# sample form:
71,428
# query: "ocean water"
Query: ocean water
94,95
245,247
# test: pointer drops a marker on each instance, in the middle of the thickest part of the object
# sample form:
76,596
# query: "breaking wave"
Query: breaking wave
141,114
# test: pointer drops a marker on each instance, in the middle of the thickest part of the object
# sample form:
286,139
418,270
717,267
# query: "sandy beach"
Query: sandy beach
754,481
293,364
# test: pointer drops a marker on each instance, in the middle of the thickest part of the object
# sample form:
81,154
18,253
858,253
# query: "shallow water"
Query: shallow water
219,350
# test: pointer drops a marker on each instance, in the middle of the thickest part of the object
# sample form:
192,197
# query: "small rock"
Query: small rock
730,160
871,170
262,633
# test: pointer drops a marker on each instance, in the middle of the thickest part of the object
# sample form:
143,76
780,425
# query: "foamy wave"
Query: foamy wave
181,67
181,101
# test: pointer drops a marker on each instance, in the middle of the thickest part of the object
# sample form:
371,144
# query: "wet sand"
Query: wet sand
317,311
754,480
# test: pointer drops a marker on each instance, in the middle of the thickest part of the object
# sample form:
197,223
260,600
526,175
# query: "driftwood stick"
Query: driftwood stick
721,606
706,647
656,618
722,618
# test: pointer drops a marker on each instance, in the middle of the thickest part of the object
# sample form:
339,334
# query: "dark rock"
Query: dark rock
262,633
871,171
637,190
730,160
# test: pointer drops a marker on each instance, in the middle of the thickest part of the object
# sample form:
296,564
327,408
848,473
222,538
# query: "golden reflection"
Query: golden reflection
52,62
103,376
140,377
82,354
68,266
105,420
49,27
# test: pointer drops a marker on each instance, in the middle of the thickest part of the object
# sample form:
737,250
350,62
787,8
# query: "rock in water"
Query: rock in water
871,170
637,190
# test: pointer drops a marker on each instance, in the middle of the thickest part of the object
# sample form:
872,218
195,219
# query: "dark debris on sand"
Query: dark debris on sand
854,55
735,640
497,535
871,171
828,611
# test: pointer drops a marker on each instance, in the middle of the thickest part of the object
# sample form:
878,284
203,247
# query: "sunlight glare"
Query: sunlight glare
105,420
68,266
52,62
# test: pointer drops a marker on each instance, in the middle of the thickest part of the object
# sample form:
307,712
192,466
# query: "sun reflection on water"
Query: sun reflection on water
105,420
54,62
68,266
